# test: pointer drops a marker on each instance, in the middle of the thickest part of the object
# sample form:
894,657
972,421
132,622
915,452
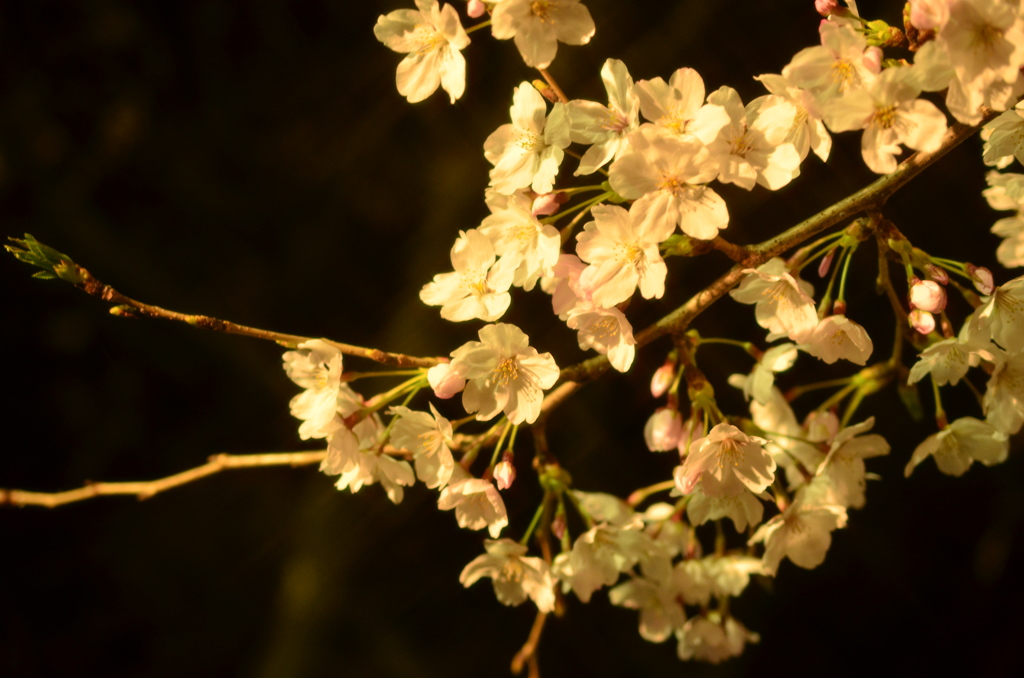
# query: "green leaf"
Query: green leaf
54,264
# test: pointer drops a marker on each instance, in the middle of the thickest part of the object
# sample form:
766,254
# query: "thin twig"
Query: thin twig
125,306
147,488
528,653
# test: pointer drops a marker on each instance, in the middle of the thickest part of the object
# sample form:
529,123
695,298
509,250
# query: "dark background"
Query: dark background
252,160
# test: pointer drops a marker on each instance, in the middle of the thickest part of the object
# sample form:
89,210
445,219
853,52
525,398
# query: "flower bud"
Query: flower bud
982,277
662,378
937,274
548,203
827,7
873,59
839,307
922,321
504,474
444,381
927,295
826,262
663,429
475,9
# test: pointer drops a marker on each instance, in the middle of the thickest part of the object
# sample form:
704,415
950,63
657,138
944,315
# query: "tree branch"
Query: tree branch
147,488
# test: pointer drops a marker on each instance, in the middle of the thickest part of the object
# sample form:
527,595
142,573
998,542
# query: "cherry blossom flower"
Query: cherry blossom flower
791,445
666,174
597,558
1004,393
762,378
622,255
539,25
742,509
478,287
801,533
660,610
839,338
843,63
947,361
1004,139
727,462
807,133
530,246
429,438
504,373
1001,316
708,638
528,151
514,575
605,127
678,106
752,148
605,330
843,467
316,366
963,442
783,303
890,114
985,44
433,38
476,502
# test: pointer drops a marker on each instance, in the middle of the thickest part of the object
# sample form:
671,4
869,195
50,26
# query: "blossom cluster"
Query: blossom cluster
662,150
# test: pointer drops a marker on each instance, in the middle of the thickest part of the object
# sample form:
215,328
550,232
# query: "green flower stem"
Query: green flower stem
533,523
846,271
586,204
477,27
638,496
353,376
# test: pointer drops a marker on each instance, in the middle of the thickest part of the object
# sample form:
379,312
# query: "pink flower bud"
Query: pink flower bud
558,525
839,308
982,277
826,262
873,59
547,203
444,381
826,7
692,430
475,9
922,321
662,430
937,274
927,295
663,378
504,474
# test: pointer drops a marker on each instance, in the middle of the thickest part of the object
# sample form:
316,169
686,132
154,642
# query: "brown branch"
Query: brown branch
147,488
528,653
554,86
128,307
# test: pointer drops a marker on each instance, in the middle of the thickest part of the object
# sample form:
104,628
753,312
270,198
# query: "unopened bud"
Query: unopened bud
922,321
558,525
548,203
927,295
827,8
445,382
663,429
663,378
826,262
873,59
982,278
504,474
839,308
475,9
937,274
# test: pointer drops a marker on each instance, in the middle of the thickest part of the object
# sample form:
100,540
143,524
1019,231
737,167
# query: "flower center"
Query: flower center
671,184
506,371
426,38
512,571
844,75
884,117
541,9
605,328
475,281
528,141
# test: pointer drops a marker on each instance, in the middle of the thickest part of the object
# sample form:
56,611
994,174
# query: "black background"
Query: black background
252,160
